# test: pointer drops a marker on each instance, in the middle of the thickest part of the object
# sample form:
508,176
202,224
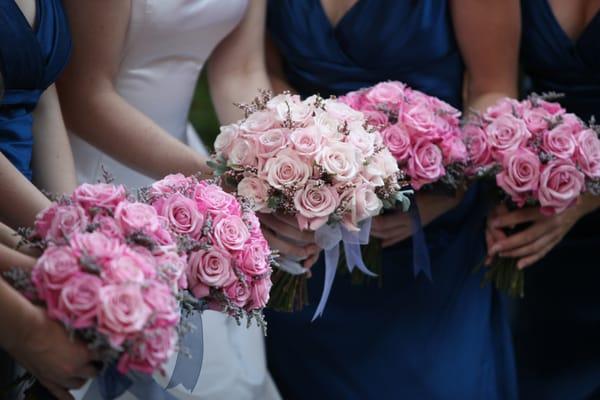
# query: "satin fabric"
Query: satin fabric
31,58
412,338
558,323
167,44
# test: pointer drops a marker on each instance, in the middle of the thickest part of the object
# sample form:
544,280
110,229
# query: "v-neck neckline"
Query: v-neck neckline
572,41
35,28
337,25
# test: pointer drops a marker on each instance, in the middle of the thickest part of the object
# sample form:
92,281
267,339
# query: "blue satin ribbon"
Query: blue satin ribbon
328,237
188,366
111,384
421,260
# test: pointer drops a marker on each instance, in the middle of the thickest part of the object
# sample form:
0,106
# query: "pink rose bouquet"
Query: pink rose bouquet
316,160
228,264
110,272
539,155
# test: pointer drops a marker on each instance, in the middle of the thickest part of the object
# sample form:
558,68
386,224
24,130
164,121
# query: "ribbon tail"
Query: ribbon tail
421,261
332,256
110,384
354,258
145,387
188,366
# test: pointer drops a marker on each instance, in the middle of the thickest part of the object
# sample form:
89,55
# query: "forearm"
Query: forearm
15,312
53,166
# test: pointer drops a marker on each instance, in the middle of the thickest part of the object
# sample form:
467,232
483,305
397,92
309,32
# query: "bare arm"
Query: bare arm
53,166
275,68
236,69
488,34
96,112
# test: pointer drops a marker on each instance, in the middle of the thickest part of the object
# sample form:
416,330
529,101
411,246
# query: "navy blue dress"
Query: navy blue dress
412,338
30,61
558,325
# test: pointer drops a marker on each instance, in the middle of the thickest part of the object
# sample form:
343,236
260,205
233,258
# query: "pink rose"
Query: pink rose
421,121
122,312
270,142
182,214
536,119
426,164
108,227
505,106
363,203
572,121
169,184
255,190
172,266
306,141
397,141
294,109
286,169
259,122
354,99
560,185
520,177
560,142
376,118
588,153
551,108
238,292
314,204
227,136
96,245
78,301
480,154
341,112
137,217
259,294
243,153
130,266
507,133
253,224
230,232
214,200
163,305
386,92
54,268
254,258
340,160
211,268
453,149
150,353
58,223
361,139
100,195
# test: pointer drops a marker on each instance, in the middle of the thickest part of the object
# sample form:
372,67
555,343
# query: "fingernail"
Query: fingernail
494,249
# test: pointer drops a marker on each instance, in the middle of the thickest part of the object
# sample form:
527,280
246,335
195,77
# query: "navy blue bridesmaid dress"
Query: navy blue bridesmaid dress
558,324
412,338
31,59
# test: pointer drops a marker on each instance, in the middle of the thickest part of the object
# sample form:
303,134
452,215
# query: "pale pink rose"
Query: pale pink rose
306,141
386,92
227,136
163,305
230,232
259,294
379,167
536,119
78,301
238,292
294,109
255,190
182,214
172,266
560,185
363,203
169,185
214,200
505,106
342,112
54,268
340,160
314,204
328,126
286,169
478,149
254,258
259,122
270,142
58,223
426,164
375,118
588,153
361,139
151,353
122,312
520,177
130,267
100,196
243,153
137,217
108,227
560,142
453,149
397,141
210,267
97,246
507,133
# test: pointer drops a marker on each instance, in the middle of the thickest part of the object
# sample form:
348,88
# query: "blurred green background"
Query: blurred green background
202,113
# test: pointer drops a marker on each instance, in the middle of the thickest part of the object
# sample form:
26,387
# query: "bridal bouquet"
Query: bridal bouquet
539,155
318,161
228,264
110,273
423,134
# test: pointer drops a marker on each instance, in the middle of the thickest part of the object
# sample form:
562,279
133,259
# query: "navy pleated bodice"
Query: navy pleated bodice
411,338
30,61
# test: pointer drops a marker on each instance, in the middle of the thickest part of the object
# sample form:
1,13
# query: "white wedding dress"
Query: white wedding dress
167,44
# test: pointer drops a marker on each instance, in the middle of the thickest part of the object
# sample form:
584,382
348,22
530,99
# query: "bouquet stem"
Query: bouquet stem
289,292
506,276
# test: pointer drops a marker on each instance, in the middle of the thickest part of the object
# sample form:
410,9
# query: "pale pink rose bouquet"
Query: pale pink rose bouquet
110,272
228,264
539,155
318,161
